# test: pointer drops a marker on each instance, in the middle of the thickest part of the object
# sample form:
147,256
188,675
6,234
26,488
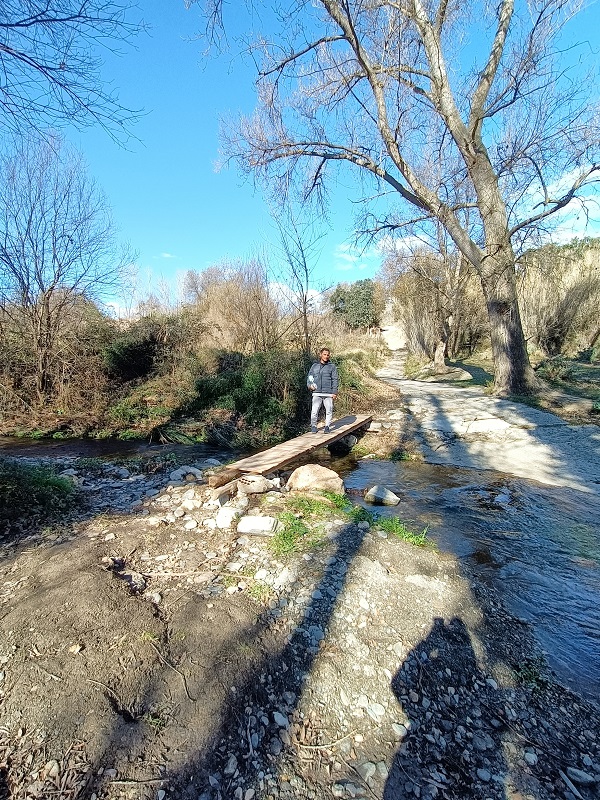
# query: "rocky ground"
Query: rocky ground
169,642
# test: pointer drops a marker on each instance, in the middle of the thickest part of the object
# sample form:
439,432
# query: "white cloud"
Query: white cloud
284,295
347,257
167,255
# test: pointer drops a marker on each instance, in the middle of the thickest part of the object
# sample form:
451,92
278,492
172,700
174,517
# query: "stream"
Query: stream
538,546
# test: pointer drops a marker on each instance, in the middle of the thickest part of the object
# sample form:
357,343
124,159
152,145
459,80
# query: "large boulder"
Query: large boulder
314,477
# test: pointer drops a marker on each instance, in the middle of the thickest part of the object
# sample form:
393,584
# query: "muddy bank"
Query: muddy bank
147,652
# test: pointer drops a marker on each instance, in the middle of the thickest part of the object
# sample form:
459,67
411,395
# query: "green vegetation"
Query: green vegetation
359,304
532,673
574,376
288,539
155,720
337,500
148,636
259,591
396,527
30,490
303,509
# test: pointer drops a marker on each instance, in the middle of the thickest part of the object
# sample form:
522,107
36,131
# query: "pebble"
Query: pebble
231,765
580,777
366,770
280,720
385,667
275,746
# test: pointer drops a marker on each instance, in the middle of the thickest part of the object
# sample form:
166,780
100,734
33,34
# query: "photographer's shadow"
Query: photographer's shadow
452,745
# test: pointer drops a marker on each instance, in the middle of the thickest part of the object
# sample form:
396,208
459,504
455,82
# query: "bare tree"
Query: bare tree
559,288
298,245
438,300
490,149
57,246
235,304
50,63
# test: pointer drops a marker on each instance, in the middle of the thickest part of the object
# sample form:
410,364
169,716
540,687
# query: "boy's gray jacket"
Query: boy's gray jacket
325,377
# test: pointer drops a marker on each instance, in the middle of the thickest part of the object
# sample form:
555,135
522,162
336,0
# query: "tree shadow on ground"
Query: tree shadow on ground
262,718
479,375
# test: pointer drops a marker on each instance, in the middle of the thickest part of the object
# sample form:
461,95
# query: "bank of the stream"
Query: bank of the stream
151,649
225,399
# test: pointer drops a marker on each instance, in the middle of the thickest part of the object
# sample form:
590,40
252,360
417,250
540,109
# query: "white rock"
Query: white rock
226,517
379,495
315,477
191,505
257,525
190,525
254,484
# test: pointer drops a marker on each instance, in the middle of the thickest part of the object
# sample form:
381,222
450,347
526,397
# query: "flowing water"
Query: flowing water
539,546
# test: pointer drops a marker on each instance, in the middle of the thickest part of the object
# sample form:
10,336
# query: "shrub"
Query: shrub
267,390
26,490
130,357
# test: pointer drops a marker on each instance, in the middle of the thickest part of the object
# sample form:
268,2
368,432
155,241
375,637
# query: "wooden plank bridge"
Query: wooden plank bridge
282,454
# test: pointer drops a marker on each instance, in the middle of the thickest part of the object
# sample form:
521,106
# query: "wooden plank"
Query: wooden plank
227,488
282,454
224,476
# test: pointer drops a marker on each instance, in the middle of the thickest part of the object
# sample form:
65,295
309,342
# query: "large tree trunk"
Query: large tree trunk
513,372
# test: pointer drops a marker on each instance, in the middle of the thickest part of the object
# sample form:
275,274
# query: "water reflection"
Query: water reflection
101,448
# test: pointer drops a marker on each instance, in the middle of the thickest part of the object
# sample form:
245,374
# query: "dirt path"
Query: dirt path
148,652
466,427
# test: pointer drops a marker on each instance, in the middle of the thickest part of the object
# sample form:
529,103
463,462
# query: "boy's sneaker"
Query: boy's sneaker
313,429
326,429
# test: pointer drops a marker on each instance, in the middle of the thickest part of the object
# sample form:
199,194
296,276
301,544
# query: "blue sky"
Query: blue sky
168,200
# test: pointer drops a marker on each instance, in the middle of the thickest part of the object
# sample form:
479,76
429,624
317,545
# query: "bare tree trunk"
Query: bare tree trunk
513,372
439,362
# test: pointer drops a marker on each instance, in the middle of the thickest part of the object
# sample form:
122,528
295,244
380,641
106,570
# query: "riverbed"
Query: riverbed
538,546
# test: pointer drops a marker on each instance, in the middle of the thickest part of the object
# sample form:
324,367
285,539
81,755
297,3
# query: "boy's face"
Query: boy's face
324,356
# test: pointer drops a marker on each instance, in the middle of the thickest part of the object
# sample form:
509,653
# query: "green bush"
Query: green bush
268,390
130,357
25,490
557,368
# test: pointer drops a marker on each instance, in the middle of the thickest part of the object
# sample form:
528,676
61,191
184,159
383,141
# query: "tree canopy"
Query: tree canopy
50,63
488,142
359,304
